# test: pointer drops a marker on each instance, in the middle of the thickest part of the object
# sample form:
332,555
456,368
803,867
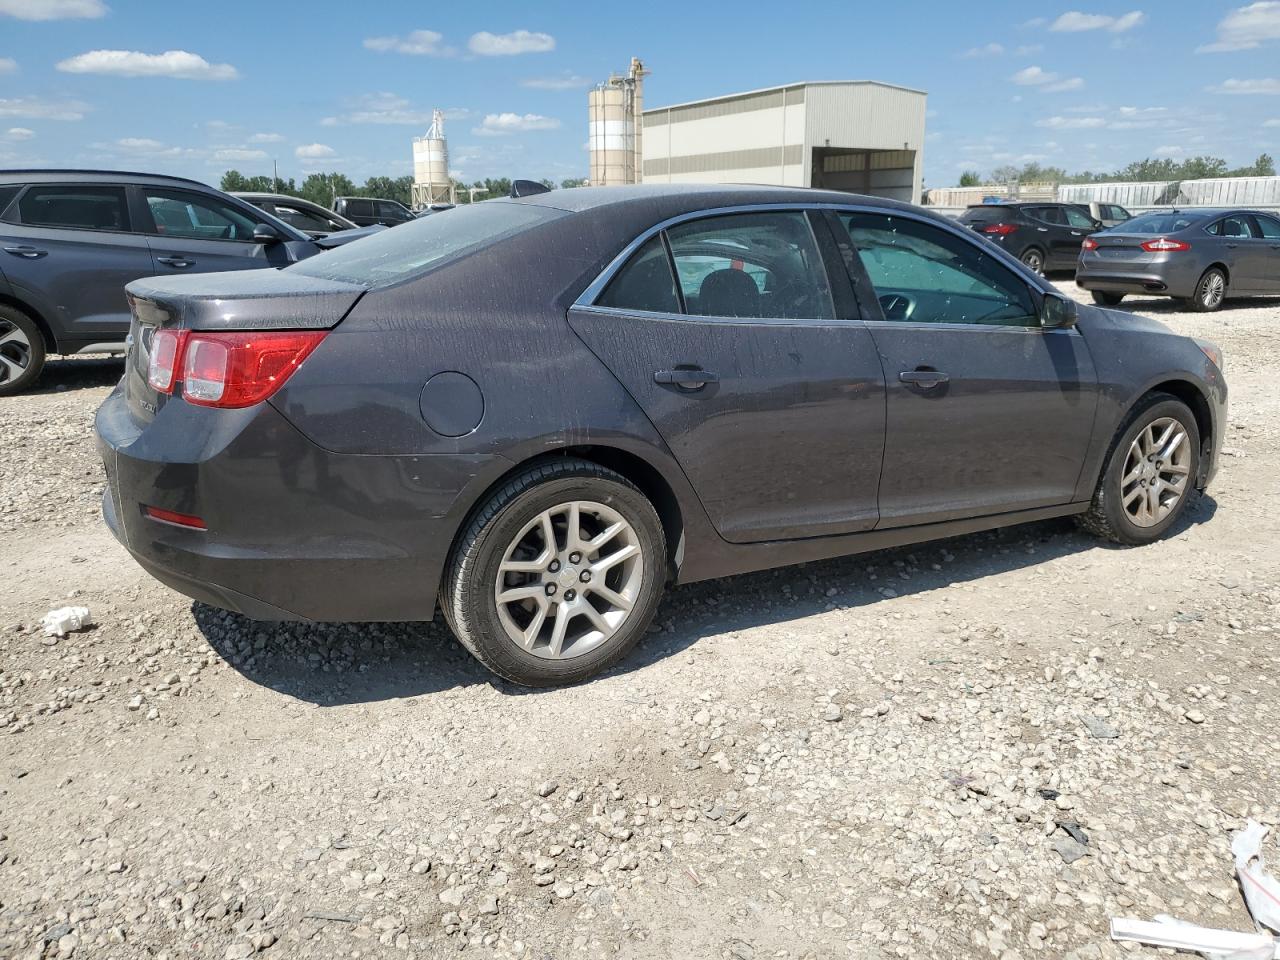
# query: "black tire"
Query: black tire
1104,299
467,593
28,355
1205,299
1107,517
1033,257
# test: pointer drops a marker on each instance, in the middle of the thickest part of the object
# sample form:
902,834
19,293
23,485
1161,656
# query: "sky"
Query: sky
196,88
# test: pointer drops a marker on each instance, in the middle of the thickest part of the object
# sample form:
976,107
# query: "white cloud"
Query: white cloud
1272,123
509,44
53,9
43,108
1028,49
266,138
498,124
8,65
315,151
419,43
19,133
1071,123
567,82
1046,81
140,144
236,155
1170,151
1246,28
1074,21
388,108
175,64
986,50
1268,86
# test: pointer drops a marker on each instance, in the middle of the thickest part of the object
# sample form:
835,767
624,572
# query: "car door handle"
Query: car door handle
686,377
1232,246
176,261
1076,233
31,253
923,377
1043,229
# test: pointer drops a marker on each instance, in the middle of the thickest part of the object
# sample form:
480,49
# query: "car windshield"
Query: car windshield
1159,223
389,256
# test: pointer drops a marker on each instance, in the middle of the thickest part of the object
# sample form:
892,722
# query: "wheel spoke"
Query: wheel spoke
598,618
610,596
1177,469
604,536
1132,475
13,335
15,369
1169,446
573,538
1132,494
535,625
521,566
558,629
531,592
615,558
549,546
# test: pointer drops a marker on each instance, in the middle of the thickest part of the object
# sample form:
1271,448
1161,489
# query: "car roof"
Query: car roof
252,195
47,175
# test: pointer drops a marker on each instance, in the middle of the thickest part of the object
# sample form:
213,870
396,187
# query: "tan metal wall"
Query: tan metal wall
876,117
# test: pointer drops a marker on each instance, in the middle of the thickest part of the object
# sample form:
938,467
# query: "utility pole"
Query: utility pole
275,176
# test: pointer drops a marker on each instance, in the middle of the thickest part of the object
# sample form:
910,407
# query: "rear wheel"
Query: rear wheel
1150,475
1034,259
558,575
1104,299
1210,291
21,350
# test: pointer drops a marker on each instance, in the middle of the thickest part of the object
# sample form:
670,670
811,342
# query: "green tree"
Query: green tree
388,188
573,182
233,180
970,178
321,188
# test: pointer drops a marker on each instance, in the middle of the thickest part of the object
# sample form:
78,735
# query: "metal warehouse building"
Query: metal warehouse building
862,136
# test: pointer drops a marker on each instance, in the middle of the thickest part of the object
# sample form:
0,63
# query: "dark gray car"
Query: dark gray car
311,218
538,412
1199,256
71,239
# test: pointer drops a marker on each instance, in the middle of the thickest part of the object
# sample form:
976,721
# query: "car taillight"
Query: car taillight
166,350
1000,229
1089,244
242,368
1164,244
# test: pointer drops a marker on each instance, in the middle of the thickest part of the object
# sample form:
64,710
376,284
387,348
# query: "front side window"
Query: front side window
193,216
304,219
1232,227
924,274
1078,218
392,211
764,265
644,283
83,208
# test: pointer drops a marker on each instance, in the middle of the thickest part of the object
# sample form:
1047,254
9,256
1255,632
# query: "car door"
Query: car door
68,251
1268,232
391,213
1079,226
987,412
1051,224
360,211
191,232
769,394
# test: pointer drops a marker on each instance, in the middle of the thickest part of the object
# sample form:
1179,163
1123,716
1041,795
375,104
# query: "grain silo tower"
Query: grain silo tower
615,129
431,182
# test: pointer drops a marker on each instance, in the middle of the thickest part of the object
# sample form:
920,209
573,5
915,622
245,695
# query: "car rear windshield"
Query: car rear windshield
1159,223
983,213
413,248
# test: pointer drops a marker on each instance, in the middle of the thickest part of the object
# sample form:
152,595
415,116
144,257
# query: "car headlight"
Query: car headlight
1210,350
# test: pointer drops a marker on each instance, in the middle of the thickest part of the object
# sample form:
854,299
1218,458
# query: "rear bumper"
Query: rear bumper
1164,279
294,532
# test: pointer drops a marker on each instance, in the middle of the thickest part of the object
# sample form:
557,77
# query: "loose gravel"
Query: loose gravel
984,747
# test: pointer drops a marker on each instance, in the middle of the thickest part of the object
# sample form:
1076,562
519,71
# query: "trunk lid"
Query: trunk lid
236,300
1122,247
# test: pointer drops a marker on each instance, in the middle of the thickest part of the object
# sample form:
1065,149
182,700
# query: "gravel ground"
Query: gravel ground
983,747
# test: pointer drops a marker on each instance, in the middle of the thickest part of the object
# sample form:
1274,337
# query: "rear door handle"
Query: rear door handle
178,261
686,377
1232,246
928,379
31,253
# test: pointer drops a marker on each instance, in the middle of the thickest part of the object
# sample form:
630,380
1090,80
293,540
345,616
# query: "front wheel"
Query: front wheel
21,351
1150,474
558,575
1104,299
1210,291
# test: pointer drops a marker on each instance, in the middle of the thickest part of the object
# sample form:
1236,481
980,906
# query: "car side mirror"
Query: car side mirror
1057,312
265,233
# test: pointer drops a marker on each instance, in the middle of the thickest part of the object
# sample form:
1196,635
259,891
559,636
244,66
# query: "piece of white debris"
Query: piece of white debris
62,621
1261,896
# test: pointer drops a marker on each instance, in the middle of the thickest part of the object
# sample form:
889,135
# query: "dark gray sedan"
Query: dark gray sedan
1200,256
536,413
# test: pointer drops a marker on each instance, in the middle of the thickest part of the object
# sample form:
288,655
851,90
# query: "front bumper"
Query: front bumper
294,532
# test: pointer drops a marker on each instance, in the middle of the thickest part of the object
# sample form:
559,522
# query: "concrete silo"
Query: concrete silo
614,128
431,182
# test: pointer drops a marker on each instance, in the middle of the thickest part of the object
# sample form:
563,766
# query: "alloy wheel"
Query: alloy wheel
1212,289
15,351
1033,260
569,579
1156,472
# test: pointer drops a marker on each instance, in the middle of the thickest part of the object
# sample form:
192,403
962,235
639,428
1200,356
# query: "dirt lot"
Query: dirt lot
863,758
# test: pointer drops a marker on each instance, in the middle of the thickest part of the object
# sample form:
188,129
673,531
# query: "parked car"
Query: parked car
369,211
538,412
311,218
1199,256
1044,236
1108,214
72,239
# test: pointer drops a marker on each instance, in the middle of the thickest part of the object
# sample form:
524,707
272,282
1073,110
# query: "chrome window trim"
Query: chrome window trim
588,296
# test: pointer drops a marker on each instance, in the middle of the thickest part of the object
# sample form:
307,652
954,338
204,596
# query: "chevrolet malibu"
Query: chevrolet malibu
536,413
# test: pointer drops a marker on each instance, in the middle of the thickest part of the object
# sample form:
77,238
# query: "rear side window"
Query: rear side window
984,214
1270,228
1052,215
7,193
77,207
1232,227
424,244
358,208
645,283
